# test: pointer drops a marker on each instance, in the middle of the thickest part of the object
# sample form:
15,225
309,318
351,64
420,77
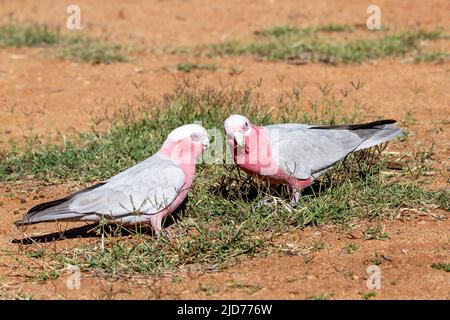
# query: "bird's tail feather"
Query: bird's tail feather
59,212
371,133
55,210
382,134
67,216
50,211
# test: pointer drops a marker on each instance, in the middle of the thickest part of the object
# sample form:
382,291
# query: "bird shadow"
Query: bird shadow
87,231
236,187
251,190
95,230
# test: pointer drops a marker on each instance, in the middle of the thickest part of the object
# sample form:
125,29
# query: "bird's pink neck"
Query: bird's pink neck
185,154
256,156
256,159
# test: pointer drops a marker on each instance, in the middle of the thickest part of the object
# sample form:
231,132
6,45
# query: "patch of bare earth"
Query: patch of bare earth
42,95
329,261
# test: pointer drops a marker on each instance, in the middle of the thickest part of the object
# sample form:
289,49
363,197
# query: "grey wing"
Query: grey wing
288,126
148,187
304,153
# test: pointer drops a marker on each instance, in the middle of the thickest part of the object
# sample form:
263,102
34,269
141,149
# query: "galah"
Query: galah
297,154
143,194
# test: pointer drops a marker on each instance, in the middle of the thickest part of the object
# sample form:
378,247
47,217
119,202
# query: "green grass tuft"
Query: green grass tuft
369,295
441,266
286,43
74,47
191,66
93,51
334,27
435,56
375,233
15,35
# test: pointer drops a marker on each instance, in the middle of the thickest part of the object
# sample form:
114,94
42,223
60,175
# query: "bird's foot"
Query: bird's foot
267,201
274,202
295,198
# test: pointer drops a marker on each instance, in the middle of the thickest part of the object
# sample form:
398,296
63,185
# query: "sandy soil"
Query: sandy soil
42,95
307,263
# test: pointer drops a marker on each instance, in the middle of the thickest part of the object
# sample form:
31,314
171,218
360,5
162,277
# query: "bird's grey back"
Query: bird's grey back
307,150
148,187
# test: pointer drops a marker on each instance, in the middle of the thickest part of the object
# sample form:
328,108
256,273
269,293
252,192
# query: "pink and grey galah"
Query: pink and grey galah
297,154
143,194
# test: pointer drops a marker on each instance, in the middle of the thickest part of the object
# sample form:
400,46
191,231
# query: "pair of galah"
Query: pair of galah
291,154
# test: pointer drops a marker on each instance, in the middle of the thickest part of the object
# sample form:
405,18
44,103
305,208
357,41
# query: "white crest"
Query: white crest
235,122
186,131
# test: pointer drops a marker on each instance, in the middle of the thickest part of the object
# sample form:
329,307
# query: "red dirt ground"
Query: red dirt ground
43,95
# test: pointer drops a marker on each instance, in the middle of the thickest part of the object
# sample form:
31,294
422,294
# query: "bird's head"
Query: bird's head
238,128
186,143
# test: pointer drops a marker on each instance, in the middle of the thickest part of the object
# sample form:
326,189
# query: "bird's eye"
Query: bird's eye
245,126
196,137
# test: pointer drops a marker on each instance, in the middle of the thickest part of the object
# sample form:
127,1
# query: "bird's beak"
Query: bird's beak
239,138
205,143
